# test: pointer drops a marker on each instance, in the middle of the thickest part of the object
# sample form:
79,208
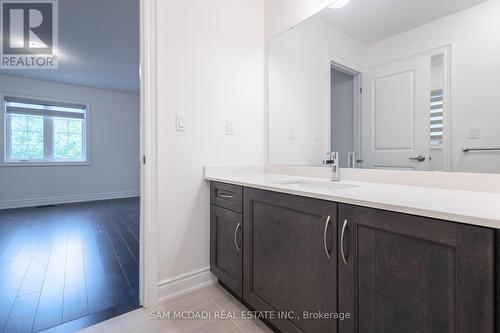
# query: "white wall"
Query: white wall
473,34
299,90
211,68
114,169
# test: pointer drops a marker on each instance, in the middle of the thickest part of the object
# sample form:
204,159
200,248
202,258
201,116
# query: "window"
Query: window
437,130
44,132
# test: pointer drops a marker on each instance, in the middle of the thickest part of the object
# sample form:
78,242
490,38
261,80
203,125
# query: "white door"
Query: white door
396,115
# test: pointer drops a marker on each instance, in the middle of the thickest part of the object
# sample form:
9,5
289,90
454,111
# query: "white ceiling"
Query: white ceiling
370,21
99,45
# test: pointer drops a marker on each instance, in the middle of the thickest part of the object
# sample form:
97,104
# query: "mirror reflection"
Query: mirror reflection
389,84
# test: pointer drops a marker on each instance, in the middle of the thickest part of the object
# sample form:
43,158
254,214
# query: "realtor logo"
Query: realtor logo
29,34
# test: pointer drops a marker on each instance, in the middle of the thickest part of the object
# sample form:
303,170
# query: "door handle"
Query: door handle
419,158
236,237
327,223
342,243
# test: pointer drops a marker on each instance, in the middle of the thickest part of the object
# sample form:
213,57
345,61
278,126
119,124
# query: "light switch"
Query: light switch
180,122
474,132
291,134
229,128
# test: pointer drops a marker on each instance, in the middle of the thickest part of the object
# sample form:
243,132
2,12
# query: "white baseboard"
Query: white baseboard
35,202
181,285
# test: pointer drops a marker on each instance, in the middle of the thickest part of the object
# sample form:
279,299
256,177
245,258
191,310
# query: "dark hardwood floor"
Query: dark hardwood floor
71,264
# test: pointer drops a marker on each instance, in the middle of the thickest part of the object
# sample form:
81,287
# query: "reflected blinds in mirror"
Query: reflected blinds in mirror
436,117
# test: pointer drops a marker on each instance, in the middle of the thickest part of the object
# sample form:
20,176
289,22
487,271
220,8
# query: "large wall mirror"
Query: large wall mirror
389,84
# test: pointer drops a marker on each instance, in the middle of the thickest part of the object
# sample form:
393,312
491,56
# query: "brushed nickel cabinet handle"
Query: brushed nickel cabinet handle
226,196
324,237
342,242
236,237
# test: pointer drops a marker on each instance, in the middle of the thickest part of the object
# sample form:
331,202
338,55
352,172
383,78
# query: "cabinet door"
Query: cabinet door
290,259
225,247
411,274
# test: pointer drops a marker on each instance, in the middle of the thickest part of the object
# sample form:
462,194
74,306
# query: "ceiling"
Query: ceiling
370,21
98,45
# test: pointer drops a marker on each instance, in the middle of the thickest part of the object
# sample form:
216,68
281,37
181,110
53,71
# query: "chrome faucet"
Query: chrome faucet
333,160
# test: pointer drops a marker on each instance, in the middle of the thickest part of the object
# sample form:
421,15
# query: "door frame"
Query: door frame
446,51
148,262
349,67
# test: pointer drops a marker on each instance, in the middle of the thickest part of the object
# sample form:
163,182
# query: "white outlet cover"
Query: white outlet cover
474,132
229,128
180,122
317,135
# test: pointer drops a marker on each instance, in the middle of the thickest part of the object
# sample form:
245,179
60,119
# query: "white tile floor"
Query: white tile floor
208,301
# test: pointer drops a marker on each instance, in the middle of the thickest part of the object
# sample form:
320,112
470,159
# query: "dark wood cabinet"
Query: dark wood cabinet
406,273
290,259
290,256
226,247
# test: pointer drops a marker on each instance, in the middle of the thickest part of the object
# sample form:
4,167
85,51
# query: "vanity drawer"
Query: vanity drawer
226,196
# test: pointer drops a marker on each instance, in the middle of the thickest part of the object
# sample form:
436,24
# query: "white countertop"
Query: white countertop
476,208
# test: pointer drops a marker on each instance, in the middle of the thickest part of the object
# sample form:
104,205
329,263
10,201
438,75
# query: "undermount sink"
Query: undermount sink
317,184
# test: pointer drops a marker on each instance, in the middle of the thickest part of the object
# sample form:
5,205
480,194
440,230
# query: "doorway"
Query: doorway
345,85
71,175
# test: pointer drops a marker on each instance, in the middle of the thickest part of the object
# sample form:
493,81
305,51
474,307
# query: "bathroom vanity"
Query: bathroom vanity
395,102
295,245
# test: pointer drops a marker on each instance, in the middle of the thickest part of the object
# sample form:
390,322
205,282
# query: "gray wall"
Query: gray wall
114,142
342,115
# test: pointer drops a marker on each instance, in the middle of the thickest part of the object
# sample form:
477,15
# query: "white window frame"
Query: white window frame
48,130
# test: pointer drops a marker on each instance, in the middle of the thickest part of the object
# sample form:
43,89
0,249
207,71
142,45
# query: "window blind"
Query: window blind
437,117
15,105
